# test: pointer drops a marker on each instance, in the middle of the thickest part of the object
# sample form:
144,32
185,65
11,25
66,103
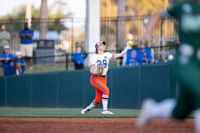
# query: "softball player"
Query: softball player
99,66
186,66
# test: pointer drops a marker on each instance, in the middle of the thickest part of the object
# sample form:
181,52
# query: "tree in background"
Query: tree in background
15,20
129,21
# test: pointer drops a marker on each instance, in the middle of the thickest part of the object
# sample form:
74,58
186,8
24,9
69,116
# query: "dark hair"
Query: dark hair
96,51
96,47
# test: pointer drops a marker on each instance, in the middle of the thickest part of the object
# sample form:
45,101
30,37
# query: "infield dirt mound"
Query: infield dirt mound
91,125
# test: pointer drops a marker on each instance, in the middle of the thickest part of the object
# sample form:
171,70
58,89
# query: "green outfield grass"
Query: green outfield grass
63,112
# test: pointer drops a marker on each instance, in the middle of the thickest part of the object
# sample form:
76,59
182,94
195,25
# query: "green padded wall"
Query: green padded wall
2,91
18,91
129,86
89,91
155,82
71,89
125,87
45,90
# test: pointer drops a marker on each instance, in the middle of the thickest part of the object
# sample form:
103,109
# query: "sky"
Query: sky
77,7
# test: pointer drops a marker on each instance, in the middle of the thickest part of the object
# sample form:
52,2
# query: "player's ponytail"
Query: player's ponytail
96,48
96,51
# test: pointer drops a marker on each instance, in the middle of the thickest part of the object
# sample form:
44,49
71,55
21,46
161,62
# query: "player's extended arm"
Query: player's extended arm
117,55
152,24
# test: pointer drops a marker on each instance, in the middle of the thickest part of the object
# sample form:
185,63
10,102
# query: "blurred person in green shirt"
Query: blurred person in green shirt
186,66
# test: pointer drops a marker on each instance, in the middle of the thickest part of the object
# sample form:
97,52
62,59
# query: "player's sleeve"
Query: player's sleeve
109,55
171,12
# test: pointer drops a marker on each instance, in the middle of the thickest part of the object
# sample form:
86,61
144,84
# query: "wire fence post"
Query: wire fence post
66,61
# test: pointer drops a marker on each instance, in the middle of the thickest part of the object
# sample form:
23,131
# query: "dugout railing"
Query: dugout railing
61,61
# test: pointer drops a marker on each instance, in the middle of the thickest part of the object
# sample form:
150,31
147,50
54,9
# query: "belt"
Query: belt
100,75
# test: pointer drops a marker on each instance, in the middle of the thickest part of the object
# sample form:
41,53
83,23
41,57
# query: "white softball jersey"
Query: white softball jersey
102,59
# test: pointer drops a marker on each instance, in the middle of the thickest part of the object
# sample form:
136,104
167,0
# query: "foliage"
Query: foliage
15,20
133,7
134,10
143,7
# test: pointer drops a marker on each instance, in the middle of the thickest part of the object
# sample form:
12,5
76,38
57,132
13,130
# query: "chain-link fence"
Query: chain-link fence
62,36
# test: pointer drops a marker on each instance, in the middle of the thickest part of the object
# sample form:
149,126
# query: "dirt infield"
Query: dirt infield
91,125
